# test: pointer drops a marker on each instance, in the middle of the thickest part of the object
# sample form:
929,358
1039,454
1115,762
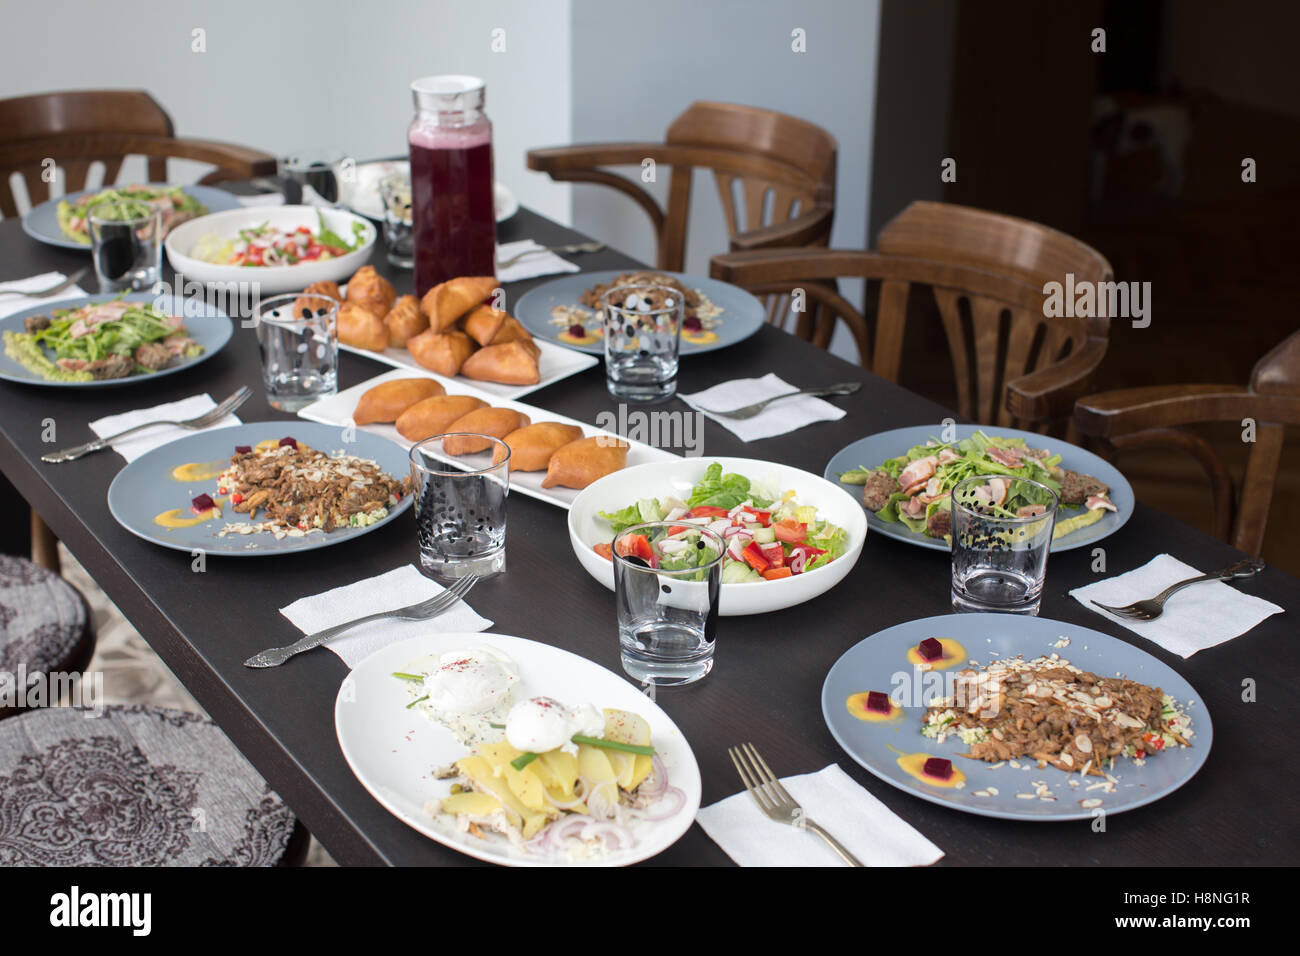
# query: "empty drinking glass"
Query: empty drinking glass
126,244
399,236
312,176
666,584
461,482
297,336
1001,534
643,326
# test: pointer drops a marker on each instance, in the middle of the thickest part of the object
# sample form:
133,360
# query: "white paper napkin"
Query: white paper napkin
136,445
777,419
9,304
1195,618
870,830
530,267
397,588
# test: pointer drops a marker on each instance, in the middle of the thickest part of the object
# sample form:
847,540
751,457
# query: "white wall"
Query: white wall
347,66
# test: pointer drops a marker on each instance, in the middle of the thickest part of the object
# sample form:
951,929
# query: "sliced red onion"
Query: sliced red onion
676,799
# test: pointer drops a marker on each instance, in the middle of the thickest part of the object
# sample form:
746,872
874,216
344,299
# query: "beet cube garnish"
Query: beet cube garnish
577,331
879,702
291,442
202,503
243,449
930,649
938,768
693,324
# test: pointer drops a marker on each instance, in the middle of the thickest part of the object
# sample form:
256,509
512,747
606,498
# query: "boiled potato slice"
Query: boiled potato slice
629,728
484,776
593,763
527,786
564,769
499,753
472,802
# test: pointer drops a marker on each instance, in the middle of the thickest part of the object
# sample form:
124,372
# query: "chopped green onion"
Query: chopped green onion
645,751
408,676
417,701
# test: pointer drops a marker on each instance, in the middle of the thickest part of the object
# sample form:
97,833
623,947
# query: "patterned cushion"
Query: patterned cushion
136,786
42,617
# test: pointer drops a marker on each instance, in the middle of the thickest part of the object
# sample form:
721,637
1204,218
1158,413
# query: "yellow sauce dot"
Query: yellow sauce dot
199,471
178,518
912,764
857,705
953,653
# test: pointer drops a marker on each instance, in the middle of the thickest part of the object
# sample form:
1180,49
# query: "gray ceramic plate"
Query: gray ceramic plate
206,324
742,314
42,222
873,664
874,449
145,487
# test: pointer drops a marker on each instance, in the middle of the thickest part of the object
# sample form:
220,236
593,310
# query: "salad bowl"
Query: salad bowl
769,480
182,245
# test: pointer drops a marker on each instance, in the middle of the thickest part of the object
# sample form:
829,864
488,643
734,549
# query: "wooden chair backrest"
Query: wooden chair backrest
768,168
1157,417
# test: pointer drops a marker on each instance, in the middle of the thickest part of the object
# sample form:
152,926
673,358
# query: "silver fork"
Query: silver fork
749,411
202,421
52,290
575,247
275,656
775,801
1152,608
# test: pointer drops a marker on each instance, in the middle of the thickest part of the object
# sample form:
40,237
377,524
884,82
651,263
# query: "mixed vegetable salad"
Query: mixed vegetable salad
267,245
100,340
177,206
915,488
768,536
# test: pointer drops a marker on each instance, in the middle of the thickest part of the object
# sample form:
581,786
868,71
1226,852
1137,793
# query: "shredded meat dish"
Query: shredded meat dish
1049,710
300,488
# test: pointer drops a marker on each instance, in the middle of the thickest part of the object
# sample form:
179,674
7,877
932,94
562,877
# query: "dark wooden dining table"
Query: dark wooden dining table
1241,808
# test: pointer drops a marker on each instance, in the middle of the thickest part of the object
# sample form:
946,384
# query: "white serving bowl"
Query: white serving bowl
664,478
272,279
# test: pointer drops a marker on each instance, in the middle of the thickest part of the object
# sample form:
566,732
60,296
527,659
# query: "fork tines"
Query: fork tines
763,785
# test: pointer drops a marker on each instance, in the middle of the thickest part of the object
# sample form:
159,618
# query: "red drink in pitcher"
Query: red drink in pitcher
453,219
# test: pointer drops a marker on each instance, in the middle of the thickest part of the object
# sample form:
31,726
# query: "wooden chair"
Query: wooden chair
1156,417
1012,365
779,169
82,127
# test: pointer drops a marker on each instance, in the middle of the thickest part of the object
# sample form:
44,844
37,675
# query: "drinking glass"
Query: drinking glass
297,336
461,482
1001,533
399,236
126,244
311,174
667,620
643,326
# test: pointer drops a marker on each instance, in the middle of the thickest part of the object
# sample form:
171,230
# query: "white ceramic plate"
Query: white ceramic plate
362,194
661,479
181,240
394,751
337,410
554,363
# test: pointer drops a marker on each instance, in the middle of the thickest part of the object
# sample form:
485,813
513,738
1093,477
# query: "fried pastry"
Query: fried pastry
372,290
386,401
511,330
448,301
483,323
514,363
496,422
431,416
311,298
579,463
441,352
361,328
531,447
405,320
